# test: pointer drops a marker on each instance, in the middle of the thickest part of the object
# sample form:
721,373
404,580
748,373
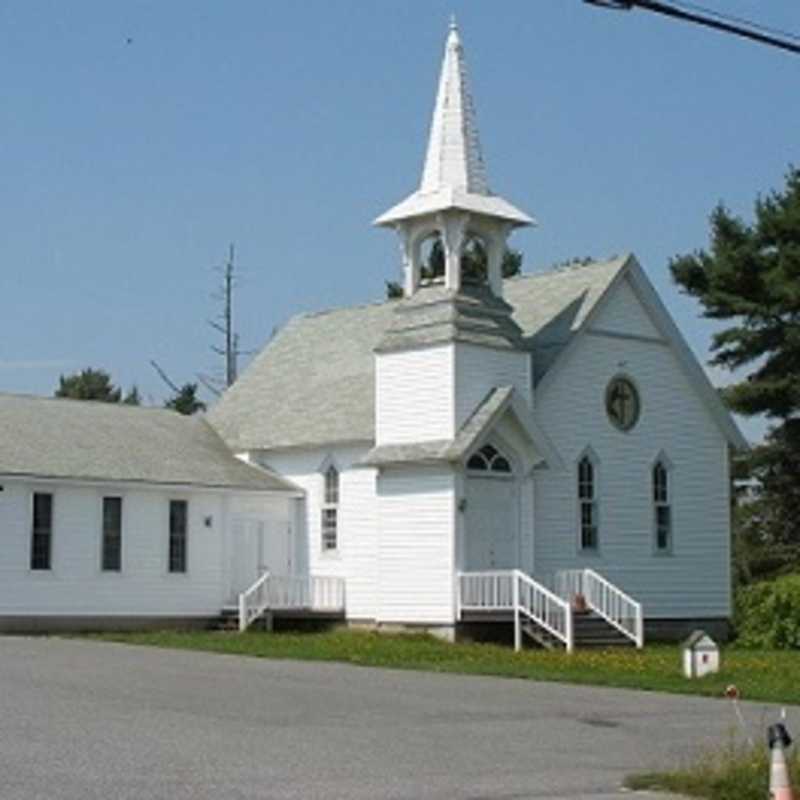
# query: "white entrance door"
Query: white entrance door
492,524
258,545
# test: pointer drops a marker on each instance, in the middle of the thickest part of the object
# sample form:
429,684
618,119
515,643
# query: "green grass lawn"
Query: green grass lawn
736,773
760,675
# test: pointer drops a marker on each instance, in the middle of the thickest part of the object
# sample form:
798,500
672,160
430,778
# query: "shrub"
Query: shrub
768,613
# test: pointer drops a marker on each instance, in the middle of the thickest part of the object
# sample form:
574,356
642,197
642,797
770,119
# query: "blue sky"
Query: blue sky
126,168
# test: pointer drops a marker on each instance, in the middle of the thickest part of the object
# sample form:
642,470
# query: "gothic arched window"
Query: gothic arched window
330,510
662,507
489,459
587,503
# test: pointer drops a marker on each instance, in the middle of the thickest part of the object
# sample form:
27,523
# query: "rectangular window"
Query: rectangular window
588,526
178,516
42,531
111,558
329,520
663,527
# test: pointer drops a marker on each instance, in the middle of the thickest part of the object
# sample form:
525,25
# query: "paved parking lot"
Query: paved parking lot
81,720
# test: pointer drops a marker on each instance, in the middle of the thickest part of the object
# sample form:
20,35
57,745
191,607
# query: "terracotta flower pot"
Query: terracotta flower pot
579,604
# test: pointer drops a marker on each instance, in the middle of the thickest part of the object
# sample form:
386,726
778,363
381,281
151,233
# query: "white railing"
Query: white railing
545,608
486,591
513,590
601,596
253,602
290,592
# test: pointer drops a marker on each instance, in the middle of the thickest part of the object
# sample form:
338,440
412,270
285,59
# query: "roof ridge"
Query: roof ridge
546,272
87,402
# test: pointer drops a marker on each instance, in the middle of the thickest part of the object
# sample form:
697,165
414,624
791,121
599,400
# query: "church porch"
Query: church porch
582,609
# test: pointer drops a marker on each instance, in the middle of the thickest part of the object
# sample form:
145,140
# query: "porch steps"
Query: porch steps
590,631
228,619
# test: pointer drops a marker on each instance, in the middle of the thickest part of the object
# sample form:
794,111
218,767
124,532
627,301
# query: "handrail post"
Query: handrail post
515,601
639,627
569,629
242,613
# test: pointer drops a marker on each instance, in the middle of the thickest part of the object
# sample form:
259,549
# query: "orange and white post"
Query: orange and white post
780,787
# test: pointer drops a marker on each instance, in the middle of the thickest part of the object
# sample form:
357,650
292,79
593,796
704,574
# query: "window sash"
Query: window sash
332,486
588,525
586,480
663,526
42,531
112,534
660,484
330,528
178,513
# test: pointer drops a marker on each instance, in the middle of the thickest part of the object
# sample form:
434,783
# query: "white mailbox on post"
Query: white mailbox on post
700,655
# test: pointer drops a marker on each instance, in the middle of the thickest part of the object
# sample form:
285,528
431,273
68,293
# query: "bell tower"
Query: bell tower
450,347
453,200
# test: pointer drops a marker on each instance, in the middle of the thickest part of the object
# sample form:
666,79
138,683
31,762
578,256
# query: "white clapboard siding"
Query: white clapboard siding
355,559
478,370
694,580
623,313
414,398
76,584
417,546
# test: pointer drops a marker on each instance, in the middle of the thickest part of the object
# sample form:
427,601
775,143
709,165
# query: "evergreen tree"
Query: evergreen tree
750,278
133,398
185,400
93,384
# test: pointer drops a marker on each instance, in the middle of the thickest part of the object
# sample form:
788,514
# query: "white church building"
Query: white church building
478,451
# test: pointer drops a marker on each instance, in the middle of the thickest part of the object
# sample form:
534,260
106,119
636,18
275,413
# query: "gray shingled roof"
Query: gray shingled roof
82,440
313,384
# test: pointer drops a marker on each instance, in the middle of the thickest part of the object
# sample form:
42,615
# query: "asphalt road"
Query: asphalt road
81,720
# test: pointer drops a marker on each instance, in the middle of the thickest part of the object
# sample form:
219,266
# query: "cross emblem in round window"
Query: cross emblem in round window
622,403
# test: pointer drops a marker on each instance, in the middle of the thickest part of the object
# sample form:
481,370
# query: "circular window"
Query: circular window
622,403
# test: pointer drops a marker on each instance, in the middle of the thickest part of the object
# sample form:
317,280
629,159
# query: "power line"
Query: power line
738,20
720,22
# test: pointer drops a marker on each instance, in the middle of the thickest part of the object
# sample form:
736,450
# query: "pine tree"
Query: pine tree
185,400
94,384
750,278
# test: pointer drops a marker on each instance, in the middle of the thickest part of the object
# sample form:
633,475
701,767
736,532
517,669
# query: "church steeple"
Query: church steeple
454,158
453,199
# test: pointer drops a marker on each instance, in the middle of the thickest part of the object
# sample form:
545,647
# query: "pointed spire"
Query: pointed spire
454,175
454,159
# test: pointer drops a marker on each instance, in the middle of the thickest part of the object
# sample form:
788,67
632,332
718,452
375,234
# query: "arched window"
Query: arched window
489,459
662,508
587,503
330,510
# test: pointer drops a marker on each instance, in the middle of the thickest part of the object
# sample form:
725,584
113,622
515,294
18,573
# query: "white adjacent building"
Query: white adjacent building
479,449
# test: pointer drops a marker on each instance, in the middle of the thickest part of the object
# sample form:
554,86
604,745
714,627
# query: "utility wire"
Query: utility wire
743,28
737,20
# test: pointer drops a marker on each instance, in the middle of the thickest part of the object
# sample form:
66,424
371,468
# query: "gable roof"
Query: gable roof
314,383
56,438
551,343
499,401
